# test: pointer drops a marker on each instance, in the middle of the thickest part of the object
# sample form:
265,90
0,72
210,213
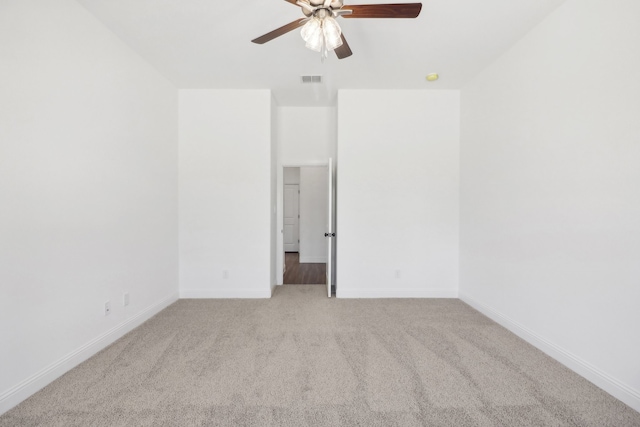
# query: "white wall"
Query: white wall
88,191
550,226
398,193
313,214
306,137
225,188
273,259
291,176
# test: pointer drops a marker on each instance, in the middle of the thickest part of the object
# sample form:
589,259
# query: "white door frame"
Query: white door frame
280,214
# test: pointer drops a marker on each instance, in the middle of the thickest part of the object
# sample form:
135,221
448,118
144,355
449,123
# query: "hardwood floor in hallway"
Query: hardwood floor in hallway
303,274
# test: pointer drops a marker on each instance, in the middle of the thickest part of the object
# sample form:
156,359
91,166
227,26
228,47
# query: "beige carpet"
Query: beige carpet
300,359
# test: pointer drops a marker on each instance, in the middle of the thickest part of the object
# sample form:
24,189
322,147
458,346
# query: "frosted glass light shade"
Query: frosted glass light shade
332,32
322,33
312,34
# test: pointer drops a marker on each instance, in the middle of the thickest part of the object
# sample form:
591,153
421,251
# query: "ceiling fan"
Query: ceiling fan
322,33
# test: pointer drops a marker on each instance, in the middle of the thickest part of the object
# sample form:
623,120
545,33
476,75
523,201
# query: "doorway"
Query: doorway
307,273
304,219
291,218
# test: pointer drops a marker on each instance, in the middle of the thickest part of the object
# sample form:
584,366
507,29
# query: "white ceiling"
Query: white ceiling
207,44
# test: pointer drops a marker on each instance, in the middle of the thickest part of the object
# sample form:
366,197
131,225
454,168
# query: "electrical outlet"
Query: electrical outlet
107,308
126,299
225,274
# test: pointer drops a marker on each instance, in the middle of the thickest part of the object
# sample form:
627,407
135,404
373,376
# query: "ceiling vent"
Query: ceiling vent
311,79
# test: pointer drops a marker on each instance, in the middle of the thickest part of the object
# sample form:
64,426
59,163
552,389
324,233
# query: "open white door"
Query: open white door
329,234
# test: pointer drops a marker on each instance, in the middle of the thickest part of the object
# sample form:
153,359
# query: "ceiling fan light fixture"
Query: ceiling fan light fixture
322,33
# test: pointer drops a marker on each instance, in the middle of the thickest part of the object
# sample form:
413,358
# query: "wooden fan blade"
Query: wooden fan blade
280,31
344,50
400,10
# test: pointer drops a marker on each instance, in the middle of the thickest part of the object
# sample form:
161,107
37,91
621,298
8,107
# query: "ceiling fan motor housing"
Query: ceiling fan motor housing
334,5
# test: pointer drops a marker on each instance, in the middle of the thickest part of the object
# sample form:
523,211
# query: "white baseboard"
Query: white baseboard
396,293
606,382
31,385
225,293
313,259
